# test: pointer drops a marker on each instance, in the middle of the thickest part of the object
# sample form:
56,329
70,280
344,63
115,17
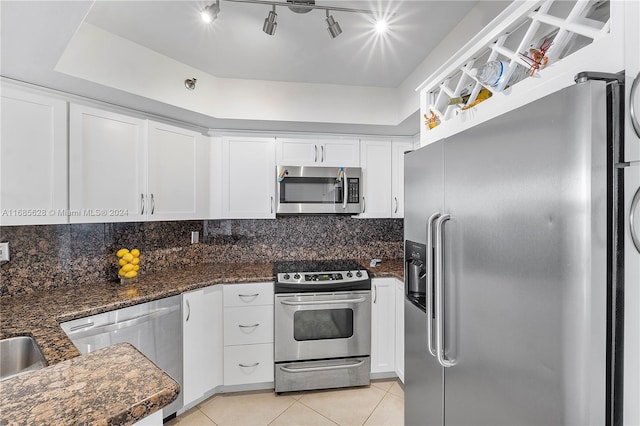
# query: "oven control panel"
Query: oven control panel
334,277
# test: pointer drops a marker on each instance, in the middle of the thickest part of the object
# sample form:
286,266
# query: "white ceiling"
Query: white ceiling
301,50
35,35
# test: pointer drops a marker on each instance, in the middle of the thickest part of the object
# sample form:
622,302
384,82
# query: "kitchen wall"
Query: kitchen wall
50,256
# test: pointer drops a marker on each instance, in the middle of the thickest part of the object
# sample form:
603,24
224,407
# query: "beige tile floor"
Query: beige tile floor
381,403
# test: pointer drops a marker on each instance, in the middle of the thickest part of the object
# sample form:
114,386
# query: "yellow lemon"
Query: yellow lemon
136,267
128,257
135,253
121,272
130,274
122,262
122,252
135,260
128,267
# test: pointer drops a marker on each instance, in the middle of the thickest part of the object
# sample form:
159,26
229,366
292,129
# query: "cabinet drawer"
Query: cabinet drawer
246,364
248,325
250,294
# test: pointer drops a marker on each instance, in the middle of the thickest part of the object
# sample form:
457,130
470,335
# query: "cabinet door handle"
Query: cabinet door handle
271,204
364,204
315,156
249,366
153,204
188,311
141,203
248,326
396,209
375,294
322,153
632,108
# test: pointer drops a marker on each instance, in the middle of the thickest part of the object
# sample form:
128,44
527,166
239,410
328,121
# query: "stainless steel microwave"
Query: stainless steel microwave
318,190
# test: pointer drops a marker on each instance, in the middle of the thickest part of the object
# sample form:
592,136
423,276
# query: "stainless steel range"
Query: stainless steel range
322,325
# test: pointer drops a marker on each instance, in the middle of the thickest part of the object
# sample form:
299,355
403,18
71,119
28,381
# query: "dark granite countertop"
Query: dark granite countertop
82,390
39,315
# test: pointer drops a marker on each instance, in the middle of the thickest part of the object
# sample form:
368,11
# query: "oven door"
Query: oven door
322,325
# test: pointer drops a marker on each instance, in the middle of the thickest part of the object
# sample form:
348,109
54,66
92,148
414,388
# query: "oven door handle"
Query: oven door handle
322,302
325,368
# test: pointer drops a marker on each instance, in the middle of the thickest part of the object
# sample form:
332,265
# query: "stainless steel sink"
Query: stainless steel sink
19,355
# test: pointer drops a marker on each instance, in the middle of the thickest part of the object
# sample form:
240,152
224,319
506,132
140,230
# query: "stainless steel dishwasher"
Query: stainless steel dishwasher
154,328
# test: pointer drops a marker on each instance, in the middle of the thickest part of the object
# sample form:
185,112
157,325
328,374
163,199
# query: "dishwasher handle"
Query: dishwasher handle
93,330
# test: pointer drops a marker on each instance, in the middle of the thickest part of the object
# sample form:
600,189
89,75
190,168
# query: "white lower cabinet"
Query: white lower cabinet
248,333
202,334
244,326
399,322
383,328
247,364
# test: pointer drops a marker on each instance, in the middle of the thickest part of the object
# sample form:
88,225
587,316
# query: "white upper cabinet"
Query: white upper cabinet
33,159
125,169
178,172
107,173
313,151
339,152
375,160
398,148
248,178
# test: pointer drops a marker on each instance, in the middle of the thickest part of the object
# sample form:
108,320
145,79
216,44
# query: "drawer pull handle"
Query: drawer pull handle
248,326
322,368
249,366
249,295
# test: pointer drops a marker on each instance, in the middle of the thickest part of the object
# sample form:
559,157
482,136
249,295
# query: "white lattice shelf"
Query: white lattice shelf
586,35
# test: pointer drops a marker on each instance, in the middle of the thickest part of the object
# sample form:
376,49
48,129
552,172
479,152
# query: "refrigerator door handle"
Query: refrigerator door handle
632,112
632,225
439,290
429,283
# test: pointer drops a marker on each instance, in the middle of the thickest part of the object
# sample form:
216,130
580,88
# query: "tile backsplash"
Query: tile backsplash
50,256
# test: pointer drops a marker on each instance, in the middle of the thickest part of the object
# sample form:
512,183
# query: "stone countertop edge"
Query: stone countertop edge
73,392
39,314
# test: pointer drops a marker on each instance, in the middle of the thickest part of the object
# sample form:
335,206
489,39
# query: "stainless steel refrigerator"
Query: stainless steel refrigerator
513,312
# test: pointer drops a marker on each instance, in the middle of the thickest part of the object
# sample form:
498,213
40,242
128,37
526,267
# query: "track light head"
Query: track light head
332,26
270,23
210,13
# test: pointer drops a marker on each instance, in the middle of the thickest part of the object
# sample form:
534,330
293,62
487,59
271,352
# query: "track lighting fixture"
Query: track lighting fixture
332,26
270,23
210,13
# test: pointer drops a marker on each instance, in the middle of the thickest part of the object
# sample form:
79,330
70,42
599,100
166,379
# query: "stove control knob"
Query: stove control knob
349,274
296,277
287,276
358,274
314,277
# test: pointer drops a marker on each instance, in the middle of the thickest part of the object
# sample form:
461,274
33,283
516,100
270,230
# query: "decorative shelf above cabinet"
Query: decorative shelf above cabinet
585,35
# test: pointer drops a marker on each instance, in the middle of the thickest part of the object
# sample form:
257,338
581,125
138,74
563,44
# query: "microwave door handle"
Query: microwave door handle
345,192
